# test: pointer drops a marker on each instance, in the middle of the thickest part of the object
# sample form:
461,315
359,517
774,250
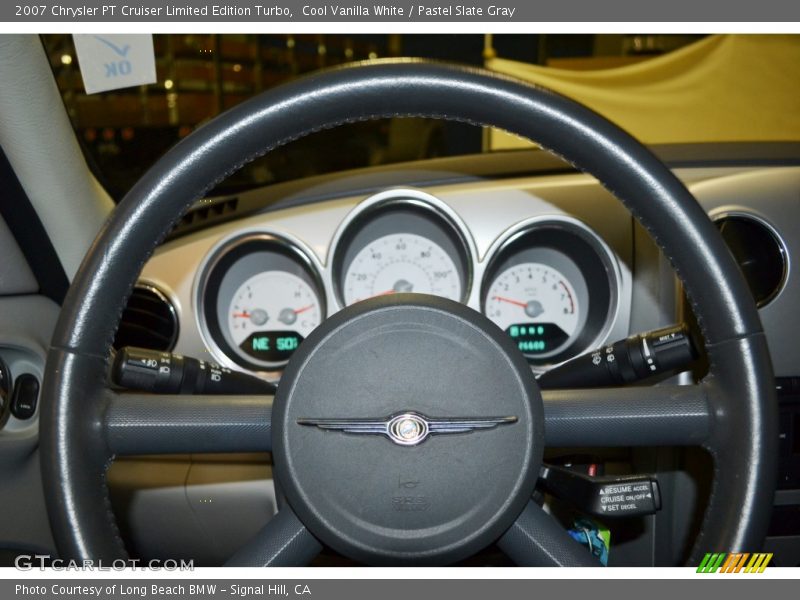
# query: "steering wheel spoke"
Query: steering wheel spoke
662,415
138,423
536,539
283,542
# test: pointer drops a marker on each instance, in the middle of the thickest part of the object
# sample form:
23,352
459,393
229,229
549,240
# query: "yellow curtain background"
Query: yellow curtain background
722,88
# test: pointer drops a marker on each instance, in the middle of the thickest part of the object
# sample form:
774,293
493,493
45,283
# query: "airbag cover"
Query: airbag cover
385,501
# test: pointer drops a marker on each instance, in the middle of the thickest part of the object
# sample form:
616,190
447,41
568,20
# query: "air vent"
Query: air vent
205,212
148,321
759,251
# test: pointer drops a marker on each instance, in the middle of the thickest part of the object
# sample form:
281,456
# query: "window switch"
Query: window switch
25,396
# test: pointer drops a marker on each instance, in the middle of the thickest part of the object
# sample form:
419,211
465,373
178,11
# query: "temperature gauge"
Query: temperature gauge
270,314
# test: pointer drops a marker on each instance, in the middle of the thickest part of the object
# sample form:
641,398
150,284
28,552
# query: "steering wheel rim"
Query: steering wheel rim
738,395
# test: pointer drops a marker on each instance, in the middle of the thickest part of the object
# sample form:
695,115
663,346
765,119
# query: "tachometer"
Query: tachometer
536,305
270,314
401,263
553,286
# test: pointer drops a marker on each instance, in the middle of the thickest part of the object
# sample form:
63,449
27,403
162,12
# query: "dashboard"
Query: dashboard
249,293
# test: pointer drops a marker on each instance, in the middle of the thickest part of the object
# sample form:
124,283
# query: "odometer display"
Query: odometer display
537,338
271,346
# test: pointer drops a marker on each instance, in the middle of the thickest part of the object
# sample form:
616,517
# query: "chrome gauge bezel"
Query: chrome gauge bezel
503,250
438,213
206,306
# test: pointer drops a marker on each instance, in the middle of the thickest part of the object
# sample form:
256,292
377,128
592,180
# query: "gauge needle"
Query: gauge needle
243,315
400,286
297,311
386,293
510,301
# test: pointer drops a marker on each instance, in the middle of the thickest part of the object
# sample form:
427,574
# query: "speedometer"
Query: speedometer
399,242
401,263
536,305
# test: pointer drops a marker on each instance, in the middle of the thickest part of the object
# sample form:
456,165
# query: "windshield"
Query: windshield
124,131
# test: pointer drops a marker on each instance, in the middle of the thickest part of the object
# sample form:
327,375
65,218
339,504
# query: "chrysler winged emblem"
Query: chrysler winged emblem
408,428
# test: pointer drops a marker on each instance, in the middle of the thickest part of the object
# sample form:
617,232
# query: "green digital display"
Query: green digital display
271,346
537,338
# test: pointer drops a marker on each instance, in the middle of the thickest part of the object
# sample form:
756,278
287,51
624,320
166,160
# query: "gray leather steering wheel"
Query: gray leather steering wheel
732,412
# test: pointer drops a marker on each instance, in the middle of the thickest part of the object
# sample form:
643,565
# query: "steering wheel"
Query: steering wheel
411,365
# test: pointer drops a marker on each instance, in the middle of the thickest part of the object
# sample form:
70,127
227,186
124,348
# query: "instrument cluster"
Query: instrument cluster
549,282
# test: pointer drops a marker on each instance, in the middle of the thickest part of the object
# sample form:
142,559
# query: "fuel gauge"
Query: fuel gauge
271,313
260,297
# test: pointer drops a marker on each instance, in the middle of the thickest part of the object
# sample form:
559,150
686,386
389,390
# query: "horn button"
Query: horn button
407,430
